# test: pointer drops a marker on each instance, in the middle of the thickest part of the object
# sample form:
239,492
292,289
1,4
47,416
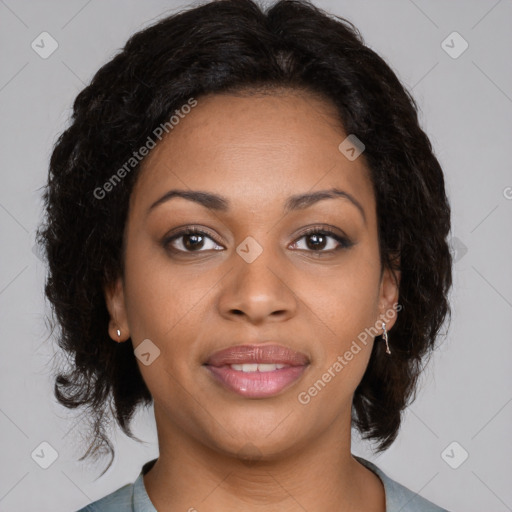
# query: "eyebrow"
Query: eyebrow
297,202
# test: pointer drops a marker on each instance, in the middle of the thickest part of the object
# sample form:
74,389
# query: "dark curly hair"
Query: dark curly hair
233,46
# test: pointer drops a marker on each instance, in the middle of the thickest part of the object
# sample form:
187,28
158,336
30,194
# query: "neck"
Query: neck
322,476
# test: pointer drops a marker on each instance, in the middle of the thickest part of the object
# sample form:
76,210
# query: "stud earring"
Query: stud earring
385,337
118,333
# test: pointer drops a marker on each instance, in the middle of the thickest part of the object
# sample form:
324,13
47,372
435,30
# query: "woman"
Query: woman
247,227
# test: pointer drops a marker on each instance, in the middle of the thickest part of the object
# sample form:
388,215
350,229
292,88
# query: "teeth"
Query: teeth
246,368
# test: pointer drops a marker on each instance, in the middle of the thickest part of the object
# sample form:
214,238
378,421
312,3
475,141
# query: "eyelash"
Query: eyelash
344,243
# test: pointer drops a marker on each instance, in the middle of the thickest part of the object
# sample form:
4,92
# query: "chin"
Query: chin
260,437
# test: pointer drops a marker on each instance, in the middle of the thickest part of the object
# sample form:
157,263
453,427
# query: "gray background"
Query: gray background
466,109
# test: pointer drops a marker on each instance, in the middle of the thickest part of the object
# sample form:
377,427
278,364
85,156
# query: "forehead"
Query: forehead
256,149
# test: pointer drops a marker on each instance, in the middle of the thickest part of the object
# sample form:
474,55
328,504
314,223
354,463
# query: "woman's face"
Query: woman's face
254,278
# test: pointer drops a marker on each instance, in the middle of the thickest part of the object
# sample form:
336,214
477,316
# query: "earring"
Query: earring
385,337
118,333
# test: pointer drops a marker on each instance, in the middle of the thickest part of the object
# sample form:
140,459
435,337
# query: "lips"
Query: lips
257,371
258,354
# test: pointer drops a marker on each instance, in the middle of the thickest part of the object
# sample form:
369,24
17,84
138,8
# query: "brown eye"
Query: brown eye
316,241
191,240
323,240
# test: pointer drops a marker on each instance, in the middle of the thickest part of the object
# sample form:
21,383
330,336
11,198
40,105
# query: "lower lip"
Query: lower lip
257,384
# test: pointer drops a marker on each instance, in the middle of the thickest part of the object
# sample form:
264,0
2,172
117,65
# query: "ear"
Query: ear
114,298
388,296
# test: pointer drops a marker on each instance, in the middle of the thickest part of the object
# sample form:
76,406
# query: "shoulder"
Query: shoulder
129,498
117,501
398,497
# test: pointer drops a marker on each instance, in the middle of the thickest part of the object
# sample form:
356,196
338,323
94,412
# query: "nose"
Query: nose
258,292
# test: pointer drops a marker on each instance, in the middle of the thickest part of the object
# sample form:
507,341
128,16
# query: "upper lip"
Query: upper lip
269,353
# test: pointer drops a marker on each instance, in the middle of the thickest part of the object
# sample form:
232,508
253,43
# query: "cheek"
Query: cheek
344,341
167,305
158,296
345,299
345,307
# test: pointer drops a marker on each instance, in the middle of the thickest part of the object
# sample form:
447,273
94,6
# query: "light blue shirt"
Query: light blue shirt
134,498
